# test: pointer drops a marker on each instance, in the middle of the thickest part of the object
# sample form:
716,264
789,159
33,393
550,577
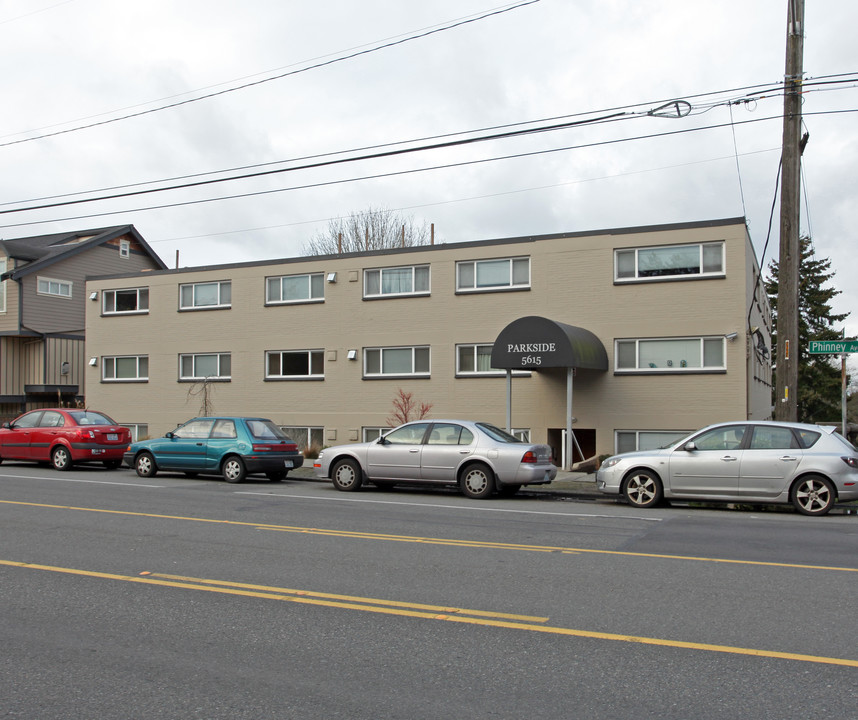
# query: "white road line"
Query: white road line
74,480
452,507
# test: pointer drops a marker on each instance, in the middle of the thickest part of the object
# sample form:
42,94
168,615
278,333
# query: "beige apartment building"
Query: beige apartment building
627,337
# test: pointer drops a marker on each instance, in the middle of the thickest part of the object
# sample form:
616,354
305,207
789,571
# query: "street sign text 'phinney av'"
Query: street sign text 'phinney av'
832,347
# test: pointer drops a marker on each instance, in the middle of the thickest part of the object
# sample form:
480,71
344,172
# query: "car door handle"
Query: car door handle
788,458
413,450
200,444
729,458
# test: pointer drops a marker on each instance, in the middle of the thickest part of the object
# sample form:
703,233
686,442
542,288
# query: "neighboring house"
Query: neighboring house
661,330
43,309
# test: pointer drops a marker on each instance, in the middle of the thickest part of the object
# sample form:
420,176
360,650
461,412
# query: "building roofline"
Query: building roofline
441,246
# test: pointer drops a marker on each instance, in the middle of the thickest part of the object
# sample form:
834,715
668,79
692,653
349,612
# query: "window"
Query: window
224,428
728,437
124,249
449,434
374,433
127,368
407,434
295,288
198,429
295,364
521,434
305,437
477,360
2,286
381,282
631,440
139,431
673,355
131,300
49,286
769,437
205,366
703,259
205,296
503,274
396,361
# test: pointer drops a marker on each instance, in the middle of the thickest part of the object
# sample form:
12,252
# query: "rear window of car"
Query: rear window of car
808,438
265,430
88,417
495,433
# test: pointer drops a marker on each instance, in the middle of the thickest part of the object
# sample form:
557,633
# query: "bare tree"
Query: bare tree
203,390
370,229
405,409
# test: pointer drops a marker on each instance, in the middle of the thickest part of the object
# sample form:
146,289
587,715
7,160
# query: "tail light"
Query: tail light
530,458
275,447
85,434
851,462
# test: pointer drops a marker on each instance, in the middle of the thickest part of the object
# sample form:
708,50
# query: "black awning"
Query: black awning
534,343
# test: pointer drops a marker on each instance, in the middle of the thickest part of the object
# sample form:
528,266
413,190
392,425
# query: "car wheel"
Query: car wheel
276,476
145,465
642,489
477,481
347,476
233,469
813,495
60,458
112,464
508,490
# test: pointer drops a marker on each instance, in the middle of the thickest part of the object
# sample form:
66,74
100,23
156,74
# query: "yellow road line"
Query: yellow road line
353,534
402,610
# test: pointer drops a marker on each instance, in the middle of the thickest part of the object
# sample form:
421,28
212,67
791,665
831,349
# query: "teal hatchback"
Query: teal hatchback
233,447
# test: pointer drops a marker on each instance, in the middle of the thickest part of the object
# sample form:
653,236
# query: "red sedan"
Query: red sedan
63,437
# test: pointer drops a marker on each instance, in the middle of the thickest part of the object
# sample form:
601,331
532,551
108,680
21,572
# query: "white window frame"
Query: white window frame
194,305
124,249
382,271
672,365
3,263
370,352
220,375
139,431
109,361
310,356
315,289
309,437
636,277
465,285
105,294
493,372
41,282
522,434
370,433
679,434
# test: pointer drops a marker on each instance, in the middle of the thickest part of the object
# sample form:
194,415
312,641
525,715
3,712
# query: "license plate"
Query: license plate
287,463
112,436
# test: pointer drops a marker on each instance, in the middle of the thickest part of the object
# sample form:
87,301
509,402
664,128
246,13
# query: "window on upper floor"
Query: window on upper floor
205,366
396,361
125,368
124,249
396,281
205,295
295,289
124,302
670,355
669,261
497,274
295,364
52,286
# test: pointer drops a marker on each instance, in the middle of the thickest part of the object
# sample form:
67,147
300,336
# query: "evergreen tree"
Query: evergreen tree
819,381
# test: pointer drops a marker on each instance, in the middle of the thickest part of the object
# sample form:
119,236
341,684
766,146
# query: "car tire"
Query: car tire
145,465
277,476
642,488
813,495
508,490
234,470
477,481
347,475
61,458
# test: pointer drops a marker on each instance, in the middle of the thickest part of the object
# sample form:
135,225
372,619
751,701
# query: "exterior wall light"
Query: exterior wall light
352,355
332,277
93,361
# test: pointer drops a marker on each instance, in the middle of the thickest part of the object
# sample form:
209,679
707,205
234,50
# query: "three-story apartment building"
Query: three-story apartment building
628,337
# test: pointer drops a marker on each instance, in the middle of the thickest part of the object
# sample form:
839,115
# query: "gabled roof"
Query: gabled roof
40,251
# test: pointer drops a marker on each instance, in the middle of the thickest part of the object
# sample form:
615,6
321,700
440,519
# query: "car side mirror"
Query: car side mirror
169,434
7,425
689,446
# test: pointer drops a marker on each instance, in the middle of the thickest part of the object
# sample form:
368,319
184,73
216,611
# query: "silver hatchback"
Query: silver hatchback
478,457
810,466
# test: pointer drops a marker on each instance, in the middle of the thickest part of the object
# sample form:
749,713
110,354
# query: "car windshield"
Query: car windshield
88,417
495,433
265,430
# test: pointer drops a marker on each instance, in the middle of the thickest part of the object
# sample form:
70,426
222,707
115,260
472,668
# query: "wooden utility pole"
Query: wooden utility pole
786,386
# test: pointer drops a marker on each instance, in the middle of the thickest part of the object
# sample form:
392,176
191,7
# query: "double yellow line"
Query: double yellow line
417,610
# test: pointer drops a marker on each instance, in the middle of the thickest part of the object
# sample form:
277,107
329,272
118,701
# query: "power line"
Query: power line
393,43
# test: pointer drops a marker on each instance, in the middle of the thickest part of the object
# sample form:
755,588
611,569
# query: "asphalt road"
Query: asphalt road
177,597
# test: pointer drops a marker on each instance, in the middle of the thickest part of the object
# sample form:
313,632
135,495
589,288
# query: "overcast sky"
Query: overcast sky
74,63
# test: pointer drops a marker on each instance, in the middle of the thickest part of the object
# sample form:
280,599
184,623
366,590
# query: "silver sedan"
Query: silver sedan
810,466
479,458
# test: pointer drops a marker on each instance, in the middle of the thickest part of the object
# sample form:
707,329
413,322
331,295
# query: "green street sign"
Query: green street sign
832,347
